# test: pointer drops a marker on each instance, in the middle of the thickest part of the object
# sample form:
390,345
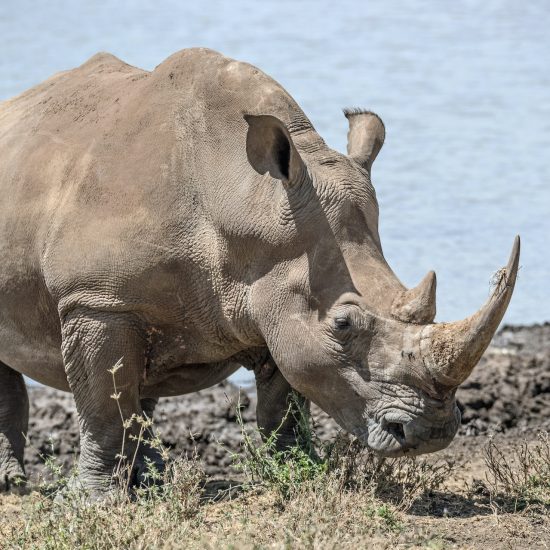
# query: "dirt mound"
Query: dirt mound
509,391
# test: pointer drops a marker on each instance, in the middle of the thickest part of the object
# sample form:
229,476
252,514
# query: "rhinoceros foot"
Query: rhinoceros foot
12,477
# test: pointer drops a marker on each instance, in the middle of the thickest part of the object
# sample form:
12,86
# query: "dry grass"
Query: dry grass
520,478
318,514
356,502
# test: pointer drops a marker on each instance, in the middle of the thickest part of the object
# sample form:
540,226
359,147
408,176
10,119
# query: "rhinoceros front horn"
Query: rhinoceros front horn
452,350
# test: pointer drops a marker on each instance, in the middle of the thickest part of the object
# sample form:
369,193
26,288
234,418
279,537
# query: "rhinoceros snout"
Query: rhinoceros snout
394,436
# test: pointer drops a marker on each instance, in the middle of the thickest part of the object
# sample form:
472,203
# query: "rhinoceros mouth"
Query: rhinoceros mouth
401,434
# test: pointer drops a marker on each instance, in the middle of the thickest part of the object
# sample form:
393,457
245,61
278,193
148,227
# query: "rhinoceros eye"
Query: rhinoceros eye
342,322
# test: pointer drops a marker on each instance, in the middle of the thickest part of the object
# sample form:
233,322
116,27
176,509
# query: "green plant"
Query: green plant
282,470
387,515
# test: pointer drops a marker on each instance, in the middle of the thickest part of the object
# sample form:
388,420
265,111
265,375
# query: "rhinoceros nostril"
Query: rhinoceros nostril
396,429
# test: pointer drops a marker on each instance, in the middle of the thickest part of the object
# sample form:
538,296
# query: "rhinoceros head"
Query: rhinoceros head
342,328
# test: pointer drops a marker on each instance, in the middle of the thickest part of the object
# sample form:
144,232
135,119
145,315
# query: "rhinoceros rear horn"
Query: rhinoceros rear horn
269,148
366,136
452,350
417,305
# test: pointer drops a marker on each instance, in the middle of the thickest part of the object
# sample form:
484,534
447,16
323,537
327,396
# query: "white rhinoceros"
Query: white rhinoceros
190,220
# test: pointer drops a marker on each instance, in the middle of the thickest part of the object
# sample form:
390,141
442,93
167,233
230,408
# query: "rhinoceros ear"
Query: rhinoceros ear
365,136
269,148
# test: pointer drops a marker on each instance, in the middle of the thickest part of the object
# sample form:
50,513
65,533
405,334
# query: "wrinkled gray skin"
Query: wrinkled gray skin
190,220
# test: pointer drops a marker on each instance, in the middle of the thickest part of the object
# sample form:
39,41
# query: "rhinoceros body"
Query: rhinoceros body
190,220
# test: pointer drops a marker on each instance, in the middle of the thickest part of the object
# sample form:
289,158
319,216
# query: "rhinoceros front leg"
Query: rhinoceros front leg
92,343
14,420
280,408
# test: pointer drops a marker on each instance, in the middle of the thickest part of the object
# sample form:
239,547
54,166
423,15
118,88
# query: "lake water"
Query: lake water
463,87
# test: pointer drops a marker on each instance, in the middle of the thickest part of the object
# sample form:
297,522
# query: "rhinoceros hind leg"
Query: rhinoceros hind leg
14,420
281,409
